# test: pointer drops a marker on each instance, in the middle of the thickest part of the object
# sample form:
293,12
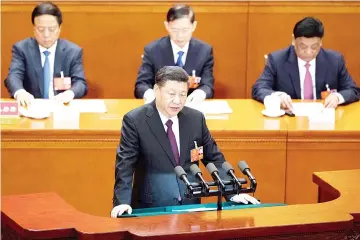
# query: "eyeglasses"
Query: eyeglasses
42,30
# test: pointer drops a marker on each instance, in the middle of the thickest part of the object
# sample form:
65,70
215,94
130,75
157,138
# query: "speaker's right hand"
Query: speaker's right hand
120,209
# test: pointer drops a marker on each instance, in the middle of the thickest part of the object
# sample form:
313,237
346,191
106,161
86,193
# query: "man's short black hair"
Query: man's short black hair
180,11
309,27
47,8
171,73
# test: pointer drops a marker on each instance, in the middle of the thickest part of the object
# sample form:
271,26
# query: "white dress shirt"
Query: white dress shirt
51,57
176,49
175,127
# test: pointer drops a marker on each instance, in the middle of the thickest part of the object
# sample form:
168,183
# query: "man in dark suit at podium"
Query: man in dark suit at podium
37,61
305,70
178,49
157,137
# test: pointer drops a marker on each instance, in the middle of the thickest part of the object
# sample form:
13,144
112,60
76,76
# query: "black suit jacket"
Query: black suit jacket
281,73
159,54
26,70
145,149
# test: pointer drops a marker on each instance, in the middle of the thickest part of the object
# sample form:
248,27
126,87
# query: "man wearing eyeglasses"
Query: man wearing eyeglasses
178,49
305,70
37,62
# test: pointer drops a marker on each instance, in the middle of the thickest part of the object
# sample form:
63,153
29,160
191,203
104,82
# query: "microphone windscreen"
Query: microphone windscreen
179,171
227,166
243,165
211,168
195,169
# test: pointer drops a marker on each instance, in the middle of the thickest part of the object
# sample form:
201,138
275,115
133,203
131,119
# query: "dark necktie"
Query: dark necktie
172,140
179,62
46,73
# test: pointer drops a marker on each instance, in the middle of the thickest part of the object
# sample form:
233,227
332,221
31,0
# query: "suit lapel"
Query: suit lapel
156,126
59,58
183,136
167,52
35,55
291,66
320,73
191,57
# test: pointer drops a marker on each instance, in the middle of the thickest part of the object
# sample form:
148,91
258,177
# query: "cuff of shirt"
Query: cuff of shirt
149,94
18,91
200,93
341,98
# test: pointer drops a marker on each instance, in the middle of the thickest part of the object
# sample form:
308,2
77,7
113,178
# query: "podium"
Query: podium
48,216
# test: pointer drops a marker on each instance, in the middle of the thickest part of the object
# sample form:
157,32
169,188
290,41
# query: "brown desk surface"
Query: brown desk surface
47,215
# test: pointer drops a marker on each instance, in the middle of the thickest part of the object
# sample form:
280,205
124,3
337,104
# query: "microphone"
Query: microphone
215,175
197,172
183,176
244,168
230,171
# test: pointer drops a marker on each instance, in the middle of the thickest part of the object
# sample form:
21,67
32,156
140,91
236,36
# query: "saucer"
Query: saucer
38,114
273,114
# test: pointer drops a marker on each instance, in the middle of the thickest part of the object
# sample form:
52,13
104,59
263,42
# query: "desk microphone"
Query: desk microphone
183,176
246,171
230,171
215,175
197,172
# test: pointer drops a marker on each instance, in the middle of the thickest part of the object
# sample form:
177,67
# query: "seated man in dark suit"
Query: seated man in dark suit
155,138
180,49
305,69
36,61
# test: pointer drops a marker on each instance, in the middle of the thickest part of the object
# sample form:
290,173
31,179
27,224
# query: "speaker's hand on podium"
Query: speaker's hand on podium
120,209
244,198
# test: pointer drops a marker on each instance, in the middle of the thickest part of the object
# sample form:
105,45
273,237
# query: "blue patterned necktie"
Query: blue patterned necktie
179,62
172,140
46,74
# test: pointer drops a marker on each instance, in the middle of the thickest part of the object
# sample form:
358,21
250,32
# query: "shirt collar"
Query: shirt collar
164,119
176,48
51,49
302,62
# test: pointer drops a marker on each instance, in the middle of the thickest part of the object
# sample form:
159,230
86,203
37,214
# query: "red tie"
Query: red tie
308,85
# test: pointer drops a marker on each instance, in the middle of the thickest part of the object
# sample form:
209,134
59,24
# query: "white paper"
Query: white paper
306,109
212,107
89,105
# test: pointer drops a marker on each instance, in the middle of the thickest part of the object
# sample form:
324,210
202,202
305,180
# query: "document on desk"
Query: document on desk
307,109
212,107
89,105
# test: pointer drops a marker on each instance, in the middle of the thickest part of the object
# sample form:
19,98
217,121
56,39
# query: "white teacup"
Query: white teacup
272,104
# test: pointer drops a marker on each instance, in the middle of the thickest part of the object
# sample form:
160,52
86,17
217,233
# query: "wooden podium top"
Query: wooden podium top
47,215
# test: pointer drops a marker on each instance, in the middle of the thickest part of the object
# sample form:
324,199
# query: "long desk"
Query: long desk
48,216
78,164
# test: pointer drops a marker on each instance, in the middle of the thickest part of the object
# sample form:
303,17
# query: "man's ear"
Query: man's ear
293,40
156,87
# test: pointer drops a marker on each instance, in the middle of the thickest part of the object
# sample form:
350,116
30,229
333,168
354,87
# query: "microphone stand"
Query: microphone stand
197,190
